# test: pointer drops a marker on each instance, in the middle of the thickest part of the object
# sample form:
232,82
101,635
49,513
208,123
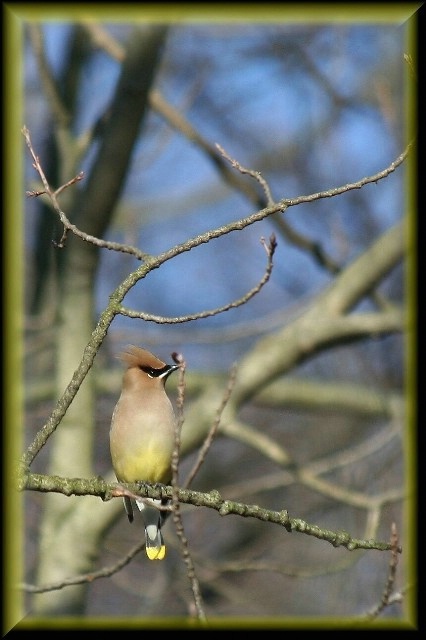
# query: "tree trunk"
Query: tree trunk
70,532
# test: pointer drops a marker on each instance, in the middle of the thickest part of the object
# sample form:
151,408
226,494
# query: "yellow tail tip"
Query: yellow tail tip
156,553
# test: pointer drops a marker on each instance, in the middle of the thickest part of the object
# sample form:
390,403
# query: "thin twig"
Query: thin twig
254,174
391,578
351,186
213,430
142,315
105,244
85,577
176,510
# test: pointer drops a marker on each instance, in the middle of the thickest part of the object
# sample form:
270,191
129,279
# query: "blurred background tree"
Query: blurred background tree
316,419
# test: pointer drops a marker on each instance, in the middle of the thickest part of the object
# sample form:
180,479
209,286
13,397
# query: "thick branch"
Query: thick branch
121,128
212,500
323,324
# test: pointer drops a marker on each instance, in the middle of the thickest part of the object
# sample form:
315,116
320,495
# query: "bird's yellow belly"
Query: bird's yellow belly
149,465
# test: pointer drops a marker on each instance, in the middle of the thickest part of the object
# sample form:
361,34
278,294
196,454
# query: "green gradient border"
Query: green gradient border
13,313
217,12
412,522
15,15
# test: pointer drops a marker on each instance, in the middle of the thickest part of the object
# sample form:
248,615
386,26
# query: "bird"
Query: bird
142,437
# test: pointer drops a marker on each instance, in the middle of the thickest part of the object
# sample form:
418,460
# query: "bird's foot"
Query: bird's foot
157,486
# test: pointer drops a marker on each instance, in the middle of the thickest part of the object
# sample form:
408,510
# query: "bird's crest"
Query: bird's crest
138,357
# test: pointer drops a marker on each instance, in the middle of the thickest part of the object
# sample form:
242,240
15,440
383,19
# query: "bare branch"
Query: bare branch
60,111
391,578
213,500
344,295
77,178
176,120
176,510
351,186
105,244
106,572
270,248
254,174
238,225
213,430
178,358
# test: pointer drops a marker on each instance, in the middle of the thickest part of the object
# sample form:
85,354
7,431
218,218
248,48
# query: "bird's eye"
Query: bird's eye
154,373
151,373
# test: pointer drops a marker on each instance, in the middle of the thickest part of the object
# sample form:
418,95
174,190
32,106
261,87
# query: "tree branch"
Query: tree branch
212,500
216,154
270,248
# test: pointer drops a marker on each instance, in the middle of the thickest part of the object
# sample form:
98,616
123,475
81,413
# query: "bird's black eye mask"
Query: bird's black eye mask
157,373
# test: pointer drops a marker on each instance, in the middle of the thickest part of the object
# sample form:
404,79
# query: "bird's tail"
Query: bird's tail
153,521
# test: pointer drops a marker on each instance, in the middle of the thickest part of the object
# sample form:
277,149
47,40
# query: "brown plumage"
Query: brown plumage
142,435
